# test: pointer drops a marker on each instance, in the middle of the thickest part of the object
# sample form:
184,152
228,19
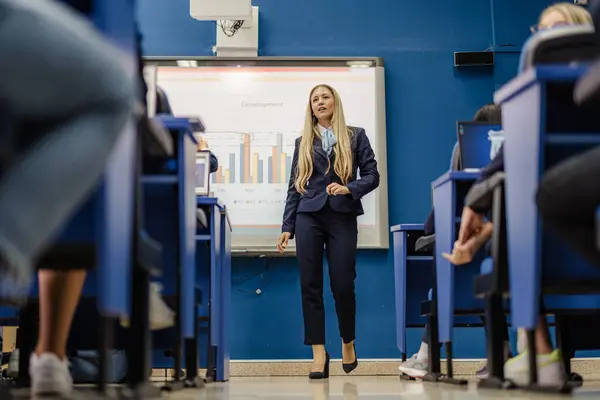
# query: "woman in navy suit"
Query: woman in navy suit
322,206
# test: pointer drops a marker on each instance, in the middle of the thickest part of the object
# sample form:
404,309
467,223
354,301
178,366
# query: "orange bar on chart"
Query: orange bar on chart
219,175
227,176
282,167
255,168
275,169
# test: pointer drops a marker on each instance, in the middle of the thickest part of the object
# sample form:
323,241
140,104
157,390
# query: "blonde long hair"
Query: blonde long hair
342,165
573,15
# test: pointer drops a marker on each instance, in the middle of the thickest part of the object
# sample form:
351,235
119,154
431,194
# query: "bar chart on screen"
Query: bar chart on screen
258,157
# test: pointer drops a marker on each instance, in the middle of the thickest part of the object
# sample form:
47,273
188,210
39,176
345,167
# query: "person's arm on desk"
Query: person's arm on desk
474,230
291,205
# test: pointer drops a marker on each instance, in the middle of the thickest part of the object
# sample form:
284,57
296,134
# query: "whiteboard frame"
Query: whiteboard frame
381,150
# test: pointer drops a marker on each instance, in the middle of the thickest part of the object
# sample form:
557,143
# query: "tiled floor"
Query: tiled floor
350,388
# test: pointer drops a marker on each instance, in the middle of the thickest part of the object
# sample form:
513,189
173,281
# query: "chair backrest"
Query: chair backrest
455,164
162,102
568,44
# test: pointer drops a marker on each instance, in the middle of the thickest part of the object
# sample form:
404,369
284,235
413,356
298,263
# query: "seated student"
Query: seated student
417,365
475,231
488,114
69,110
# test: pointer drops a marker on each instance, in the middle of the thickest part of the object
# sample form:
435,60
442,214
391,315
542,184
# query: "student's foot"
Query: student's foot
483,373
50,376
161,316
549,369
415,367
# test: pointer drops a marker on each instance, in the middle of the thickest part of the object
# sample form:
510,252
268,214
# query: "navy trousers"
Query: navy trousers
338,234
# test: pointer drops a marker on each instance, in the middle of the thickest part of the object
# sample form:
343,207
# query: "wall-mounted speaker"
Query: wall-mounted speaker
473,58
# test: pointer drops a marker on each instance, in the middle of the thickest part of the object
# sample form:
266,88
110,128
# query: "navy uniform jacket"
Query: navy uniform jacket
363,160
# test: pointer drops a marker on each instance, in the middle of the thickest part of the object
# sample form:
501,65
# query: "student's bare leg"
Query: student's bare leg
542,338
59,295
549,366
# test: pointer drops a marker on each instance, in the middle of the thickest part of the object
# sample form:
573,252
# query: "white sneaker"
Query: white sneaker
408,363
50,376
549,369
521,341
415,367
161,316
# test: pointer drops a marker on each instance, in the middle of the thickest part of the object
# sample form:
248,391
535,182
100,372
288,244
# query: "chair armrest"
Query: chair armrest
481,195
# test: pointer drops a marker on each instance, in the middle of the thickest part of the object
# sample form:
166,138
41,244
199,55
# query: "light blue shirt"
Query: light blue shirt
328,139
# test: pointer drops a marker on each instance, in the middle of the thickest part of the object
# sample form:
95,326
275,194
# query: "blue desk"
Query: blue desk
539,120
402,258
219,307
449,191
180,175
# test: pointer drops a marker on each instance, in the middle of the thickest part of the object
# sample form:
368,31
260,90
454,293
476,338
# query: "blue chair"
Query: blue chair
492,283
411,247
404,238
548,126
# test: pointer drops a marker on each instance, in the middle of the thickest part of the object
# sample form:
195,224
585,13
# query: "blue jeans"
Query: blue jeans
65,97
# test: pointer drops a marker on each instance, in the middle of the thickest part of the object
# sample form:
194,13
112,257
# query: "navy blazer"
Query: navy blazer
363,160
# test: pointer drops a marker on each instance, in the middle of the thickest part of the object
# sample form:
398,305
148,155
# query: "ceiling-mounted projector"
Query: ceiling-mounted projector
221,10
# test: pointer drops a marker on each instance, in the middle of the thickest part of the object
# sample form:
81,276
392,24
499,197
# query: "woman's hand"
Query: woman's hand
470,224
335,189
463,253
283,241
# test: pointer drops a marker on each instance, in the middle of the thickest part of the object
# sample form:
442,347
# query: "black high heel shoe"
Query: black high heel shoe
325,373
352,366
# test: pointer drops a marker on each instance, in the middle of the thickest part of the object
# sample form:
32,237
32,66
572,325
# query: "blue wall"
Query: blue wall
425,97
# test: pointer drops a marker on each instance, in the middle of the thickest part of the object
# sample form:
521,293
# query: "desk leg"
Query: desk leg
28,327
210,349
140,337
449,378
191,358
105,339
494,319
177,351
435,370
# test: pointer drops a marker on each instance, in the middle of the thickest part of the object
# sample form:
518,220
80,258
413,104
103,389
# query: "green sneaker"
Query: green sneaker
548,365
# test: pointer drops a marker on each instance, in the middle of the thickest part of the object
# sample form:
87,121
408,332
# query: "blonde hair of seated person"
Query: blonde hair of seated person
342,165
563,14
